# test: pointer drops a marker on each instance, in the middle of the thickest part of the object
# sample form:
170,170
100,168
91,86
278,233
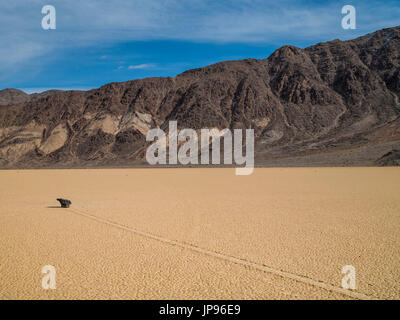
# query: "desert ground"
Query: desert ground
203,233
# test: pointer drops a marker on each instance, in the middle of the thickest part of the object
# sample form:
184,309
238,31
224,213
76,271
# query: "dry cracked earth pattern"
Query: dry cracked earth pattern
188,233
281,233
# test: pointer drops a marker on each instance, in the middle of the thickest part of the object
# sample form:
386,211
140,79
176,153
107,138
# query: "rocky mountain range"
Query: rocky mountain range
334,103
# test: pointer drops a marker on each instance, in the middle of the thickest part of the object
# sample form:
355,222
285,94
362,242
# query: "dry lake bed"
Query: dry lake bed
280,233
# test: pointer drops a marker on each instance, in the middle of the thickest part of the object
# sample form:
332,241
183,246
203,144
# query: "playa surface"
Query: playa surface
281,233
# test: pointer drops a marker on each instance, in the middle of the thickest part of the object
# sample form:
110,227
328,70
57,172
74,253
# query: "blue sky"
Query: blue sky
101,41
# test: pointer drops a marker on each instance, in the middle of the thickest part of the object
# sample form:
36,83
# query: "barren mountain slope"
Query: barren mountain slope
335,103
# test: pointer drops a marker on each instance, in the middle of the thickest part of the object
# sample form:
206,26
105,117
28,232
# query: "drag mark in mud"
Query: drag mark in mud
253,265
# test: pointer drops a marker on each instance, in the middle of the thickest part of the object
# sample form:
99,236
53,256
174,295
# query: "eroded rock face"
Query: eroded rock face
17,141
56,140
391,158
106,123
329,97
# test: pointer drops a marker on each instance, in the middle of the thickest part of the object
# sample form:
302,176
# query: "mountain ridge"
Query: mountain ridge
336,97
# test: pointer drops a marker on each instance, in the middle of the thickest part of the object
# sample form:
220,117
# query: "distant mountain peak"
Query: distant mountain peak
333,103
12,96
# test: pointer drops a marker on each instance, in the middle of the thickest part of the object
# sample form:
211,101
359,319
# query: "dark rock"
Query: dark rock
64,203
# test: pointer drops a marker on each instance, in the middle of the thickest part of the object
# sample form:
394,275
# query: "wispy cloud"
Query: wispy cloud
106,22
141,66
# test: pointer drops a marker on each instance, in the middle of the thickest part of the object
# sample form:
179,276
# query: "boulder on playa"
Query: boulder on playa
64,203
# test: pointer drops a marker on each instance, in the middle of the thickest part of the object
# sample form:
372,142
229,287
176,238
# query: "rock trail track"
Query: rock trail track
236,260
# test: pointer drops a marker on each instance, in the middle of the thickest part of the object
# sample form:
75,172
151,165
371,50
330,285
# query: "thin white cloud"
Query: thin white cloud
106,22
141,66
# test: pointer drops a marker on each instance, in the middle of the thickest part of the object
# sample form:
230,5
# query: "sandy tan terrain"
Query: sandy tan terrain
281,233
